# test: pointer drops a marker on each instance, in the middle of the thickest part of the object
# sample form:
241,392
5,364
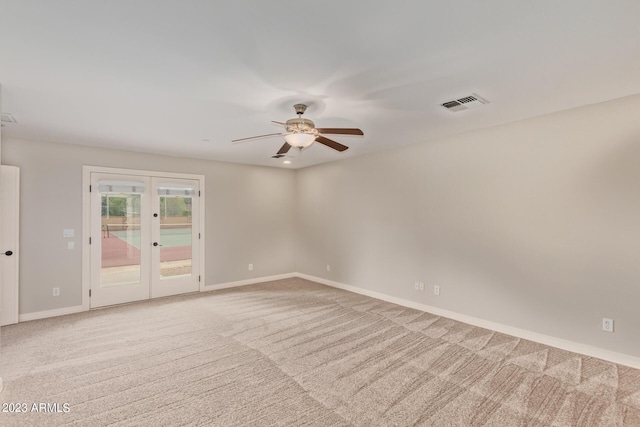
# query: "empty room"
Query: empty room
243,213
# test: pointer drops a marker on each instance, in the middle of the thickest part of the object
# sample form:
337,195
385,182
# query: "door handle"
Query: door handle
8,253
156,244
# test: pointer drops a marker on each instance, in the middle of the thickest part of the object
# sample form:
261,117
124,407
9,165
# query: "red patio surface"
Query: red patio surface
116,253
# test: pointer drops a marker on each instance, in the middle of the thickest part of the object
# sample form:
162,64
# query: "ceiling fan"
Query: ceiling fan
301,133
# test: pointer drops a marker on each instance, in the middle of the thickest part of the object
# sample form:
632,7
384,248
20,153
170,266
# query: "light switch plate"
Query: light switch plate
68,232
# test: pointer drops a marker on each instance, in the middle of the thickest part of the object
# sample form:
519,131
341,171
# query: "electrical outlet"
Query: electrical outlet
328,267
422,286
250,267
56,292
416,286
607,324
436,290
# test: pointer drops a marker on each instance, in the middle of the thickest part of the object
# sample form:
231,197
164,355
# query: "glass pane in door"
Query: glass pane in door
120,237
175,232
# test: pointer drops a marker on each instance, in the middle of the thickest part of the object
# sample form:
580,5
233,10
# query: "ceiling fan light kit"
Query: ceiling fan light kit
301,133
300,140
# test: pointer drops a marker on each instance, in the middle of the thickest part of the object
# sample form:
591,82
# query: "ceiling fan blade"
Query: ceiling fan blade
284,149
340,131
277,156
331,143
278,123
259,136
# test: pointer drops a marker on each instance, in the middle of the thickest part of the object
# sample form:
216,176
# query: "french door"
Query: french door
144,237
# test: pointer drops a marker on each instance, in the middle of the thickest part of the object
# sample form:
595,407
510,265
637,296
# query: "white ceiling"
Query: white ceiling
186,77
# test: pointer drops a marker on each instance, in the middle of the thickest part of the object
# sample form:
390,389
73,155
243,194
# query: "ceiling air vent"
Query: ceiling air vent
8,118
464,103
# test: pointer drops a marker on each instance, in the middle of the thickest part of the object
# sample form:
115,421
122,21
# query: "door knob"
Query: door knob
156,244
8,253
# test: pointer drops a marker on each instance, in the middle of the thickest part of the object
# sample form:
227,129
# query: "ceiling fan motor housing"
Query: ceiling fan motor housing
300,125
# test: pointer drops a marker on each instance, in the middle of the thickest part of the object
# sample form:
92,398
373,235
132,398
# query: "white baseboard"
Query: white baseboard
77,309
249,281
50,313
587,350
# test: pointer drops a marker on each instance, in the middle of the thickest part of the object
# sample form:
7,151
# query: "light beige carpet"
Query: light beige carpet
295,353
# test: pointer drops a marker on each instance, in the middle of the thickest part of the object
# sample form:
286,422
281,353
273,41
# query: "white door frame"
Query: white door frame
86,220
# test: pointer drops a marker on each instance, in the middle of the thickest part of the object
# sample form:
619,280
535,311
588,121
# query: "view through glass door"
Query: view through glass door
120,233
175,236
148,235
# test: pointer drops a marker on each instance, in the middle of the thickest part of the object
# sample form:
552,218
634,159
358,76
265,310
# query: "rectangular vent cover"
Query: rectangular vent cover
8,118
464,103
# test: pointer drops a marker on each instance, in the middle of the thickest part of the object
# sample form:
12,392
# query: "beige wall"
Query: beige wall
533,224
245,208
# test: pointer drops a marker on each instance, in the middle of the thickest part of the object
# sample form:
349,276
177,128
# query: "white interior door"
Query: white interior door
120,239
9,233
174,234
